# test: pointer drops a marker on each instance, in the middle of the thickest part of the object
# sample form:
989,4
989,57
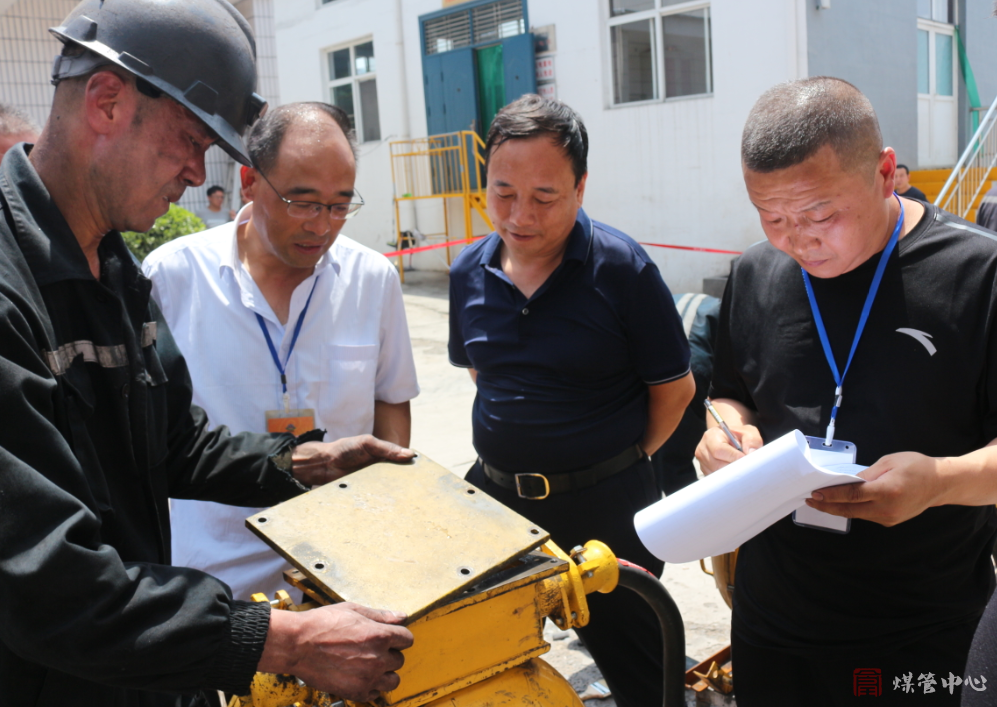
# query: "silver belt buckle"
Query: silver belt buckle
519,487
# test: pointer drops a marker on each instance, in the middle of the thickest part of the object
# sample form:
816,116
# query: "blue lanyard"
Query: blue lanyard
839,378
290,349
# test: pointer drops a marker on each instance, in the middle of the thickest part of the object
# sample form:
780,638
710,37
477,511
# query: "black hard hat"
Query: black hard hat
201,53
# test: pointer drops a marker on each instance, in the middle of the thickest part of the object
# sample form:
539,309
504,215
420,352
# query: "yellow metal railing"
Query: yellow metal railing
447,166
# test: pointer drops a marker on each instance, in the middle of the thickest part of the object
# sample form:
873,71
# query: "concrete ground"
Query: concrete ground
441,429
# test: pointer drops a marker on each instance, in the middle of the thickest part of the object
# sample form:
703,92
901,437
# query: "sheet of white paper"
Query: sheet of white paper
720,512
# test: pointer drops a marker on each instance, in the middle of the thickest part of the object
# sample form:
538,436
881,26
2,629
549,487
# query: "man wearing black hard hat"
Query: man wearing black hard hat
97,430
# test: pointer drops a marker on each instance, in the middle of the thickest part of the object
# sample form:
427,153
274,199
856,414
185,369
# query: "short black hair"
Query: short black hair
531,116
794,120
267,133
215,188
904,167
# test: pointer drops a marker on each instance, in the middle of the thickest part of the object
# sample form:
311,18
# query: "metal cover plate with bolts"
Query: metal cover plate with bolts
404,537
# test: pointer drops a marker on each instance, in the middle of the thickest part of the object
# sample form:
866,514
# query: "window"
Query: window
937,94
943,64
659,49
498,20
353,87
937,10
935,50
482,24
449,32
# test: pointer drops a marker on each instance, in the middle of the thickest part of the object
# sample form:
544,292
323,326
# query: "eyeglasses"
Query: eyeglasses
311,209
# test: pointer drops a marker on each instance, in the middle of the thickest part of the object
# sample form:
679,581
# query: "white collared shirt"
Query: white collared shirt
353,349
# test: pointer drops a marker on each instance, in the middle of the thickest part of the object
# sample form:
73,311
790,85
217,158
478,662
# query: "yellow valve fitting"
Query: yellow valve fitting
575,605
593,568
599,569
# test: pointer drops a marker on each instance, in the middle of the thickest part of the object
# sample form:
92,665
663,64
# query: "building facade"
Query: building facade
664,87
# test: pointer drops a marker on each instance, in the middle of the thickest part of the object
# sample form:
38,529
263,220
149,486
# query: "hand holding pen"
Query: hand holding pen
723,425
721,446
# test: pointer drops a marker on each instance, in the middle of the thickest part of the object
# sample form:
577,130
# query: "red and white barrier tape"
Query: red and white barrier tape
434,246
698,250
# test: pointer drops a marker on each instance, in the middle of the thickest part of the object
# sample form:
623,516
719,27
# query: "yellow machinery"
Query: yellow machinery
448,168
476,580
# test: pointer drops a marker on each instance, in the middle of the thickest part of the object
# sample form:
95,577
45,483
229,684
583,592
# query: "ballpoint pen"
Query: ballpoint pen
723,425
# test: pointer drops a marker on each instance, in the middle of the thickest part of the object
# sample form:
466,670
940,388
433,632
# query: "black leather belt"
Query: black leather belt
536,487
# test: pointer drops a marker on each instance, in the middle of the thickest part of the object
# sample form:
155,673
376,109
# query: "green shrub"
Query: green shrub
174,223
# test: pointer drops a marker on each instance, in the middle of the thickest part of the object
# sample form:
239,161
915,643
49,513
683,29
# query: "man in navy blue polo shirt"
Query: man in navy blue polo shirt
581,365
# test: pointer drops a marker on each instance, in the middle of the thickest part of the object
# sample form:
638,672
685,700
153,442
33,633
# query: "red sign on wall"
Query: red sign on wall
545,69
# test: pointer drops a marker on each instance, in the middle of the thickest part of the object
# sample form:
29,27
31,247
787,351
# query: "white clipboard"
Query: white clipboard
840,452
730,506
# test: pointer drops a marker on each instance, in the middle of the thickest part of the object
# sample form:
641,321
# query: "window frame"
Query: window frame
354,80
951,9
655,14
935,28
468,8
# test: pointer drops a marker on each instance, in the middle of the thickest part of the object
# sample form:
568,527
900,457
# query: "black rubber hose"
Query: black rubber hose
638,579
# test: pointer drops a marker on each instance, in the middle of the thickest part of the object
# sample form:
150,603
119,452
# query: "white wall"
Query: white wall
304,34
667,172
670,172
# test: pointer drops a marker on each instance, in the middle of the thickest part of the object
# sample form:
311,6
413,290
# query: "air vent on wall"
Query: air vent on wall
498,20
448,32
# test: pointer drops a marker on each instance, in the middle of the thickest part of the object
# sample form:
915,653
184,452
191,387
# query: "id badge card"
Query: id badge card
840,452
295,422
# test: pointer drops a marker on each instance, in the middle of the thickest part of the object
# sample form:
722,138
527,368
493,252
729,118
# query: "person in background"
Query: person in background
903,186
986,215
331,309
15,126
581,367
214,213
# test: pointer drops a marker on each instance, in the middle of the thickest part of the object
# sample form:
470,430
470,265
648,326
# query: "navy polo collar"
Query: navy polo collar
579,243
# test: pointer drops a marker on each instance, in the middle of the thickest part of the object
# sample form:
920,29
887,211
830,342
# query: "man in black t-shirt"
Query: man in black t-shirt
902,591
903,187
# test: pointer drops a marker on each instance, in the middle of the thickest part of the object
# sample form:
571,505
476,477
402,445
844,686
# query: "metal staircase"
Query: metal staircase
972,173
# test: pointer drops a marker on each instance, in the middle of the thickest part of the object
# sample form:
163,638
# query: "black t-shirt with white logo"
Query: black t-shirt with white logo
924,379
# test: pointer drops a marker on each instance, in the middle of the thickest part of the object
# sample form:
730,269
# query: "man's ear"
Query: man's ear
250,181
580,189
887,170
110,102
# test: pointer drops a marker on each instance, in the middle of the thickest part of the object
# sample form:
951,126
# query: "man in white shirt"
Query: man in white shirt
285,324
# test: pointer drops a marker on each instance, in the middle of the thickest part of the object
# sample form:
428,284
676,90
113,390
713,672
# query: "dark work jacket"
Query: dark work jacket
96,432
